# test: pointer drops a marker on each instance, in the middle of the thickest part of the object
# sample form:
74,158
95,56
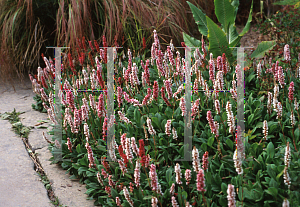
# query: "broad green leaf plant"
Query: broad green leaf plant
220,39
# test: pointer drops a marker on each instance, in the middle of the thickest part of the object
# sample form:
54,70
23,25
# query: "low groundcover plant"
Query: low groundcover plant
149,125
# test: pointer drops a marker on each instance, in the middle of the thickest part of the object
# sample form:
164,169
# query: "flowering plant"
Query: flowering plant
144,169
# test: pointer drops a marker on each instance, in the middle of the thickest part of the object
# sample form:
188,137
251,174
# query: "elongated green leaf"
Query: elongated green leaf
229,143
247,26
263,47
235,4
190,41
234,37
200,19
270,150
250,118
169,176
217,41
225,13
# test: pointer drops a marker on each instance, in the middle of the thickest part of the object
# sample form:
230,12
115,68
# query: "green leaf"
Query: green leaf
137,116
199,18
190,41
279,175
155,122
250,118
78,149
147,197
184,194
73,177
272,191
169,175
263,47
235,4
234,37
272,128
247,26
273,183
82,169
84,161
204,147
270,150
210,141
225,13
89,191
217,41
224,188
114,193
169,112
229,143
271,172
256,103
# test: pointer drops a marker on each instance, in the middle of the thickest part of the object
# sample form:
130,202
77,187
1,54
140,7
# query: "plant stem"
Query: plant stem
204,200
147,176
294,140
155,149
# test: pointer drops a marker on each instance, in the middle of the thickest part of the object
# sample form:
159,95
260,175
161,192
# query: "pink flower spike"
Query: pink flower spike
219,63
291,91
155,90
147,97
211,71
119,96
188,176
205,161
168,88
217,106
69,143
174,202
287,54
168,127
200,181
182,106
211,122
90,155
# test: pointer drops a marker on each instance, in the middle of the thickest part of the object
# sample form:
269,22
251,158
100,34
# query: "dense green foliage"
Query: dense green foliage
262,180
